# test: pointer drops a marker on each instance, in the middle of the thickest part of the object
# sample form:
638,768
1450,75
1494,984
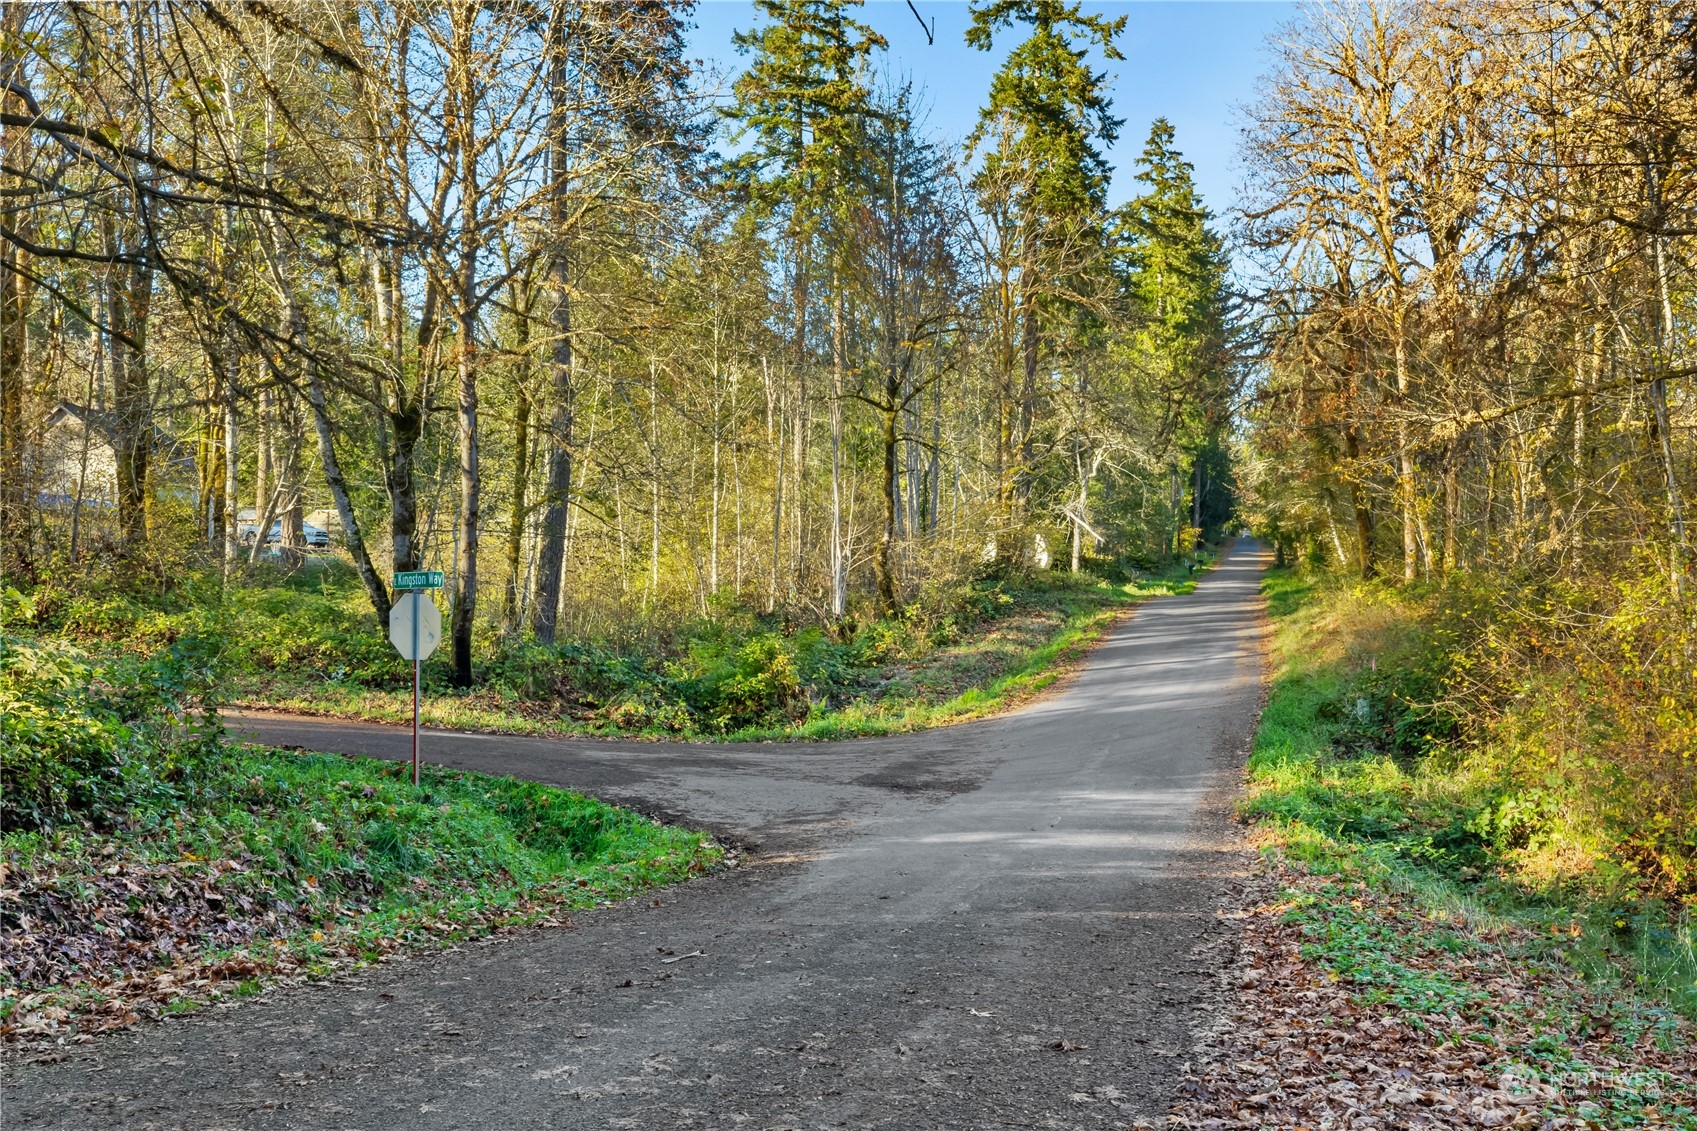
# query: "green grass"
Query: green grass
1337,804
1355,780
307,641
333,860
1009,644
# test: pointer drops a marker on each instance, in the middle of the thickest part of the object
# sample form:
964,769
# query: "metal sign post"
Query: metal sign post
415,628
416,594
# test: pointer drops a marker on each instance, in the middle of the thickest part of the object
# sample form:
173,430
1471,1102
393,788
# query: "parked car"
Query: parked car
317,538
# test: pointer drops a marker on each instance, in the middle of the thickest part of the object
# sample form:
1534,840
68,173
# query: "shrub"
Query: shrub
1583,694
882,641
59,747
743,684
590,680
81,737
1559,715
332,631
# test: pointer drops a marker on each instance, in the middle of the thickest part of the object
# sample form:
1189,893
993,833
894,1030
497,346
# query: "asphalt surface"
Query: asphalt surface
1003,924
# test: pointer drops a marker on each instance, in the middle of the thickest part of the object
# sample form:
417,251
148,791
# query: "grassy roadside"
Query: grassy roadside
280,865
1447,984
1010,645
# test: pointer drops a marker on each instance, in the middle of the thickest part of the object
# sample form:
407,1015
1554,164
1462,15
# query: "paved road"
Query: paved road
1005,924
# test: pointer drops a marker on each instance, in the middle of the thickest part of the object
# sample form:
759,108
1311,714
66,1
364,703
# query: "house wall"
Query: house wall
61,455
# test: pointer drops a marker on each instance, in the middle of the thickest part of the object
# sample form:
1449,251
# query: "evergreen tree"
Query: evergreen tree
807,101
1177,262
1176,279
804,98
1057,105
1044,173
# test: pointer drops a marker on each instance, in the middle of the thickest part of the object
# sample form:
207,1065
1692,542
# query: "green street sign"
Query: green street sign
419,579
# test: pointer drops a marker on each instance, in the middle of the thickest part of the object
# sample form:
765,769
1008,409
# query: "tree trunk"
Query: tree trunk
471,485
289,476
934,472
133,410
798,488
1581,460
1196,493
209,459
839,554
521,476
775,438
551,566
232,466
14,313
1029,343
1358,503
14,493
624,546
406,430
402,420
264,491
715,492
515,528
1488,519
1175,508
1658,394
1455,456
913,479
352,536
96,379
1080,519
1405,458
583,470
801,295
1086,471
892,498
463,80
654,481
736,502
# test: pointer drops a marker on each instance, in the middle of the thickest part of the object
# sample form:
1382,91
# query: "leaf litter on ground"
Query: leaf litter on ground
100,929
1353,1007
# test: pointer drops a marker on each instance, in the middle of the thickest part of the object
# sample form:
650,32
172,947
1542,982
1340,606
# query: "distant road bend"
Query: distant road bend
1003,924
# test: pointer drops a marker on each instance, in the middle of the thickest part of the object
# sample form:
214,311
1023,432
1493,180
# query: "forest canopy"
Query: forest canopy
505,290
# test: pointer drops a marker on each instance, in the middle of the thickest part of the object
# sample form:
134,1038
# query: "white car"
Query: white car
316,537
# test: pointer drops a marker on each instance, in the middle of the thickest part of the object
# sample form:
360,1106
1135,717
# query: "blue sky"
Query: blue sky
1193,62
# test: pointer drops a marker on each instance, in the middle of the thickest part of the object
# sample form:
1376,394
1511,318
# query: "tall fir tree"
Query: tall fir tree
1057,106
806,98
1176,278
1046,123
1178,263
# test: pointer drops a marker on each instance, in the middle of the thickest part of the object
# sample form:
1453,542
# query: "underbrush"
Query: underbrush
85,735
1392,751
972,649
307,640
